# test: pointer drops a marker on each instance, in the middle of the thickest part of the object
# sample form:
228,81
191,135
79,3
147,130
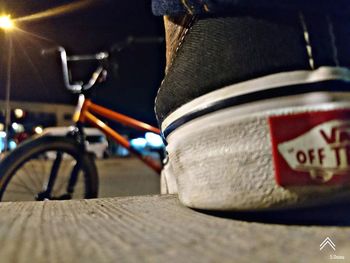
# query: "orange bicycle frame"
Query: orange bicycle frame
85,114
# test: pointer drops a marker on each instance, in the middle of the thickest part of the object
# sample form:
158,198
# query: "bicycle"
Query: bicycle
56,182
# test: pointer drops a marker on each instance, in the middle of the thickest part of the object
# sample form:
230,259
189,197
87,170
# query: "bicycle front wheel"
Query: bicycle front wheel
48,168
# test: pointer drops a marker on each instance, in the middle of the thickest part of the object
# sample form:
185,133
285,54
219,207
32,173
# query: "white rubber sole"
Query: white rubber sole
168,183
224,160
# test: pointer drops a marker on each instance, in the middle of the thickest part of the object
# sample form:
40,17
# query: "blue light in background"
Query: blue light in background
138,142
2,140
12,145
154,140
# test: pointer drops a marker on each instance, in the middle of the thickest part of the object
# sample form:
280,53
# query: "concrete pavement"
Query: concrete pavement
159,229
126,177
153,229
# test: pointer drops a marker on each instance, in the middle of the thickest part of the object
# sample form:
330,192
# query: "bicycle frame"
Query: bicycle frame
85,114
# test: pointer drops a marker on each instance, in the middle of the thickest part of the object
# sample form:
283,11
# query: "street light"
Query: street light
6,23
38,130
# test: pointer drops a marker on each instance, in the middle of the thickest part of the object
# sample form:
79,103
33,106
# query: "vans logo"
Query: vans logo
309,150
323,151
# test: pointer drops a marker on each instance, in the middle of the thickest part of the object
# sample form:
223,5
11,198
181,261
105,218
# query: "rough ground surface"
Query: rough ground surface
152,229
126,177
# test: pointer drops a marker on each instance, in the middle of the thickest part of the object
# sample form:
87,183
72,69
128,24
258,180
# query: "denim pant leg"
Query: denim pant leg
195,7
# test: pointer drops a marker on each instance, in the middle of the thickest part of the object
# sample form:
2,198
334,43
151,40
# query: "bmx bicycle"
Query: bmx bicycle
29,173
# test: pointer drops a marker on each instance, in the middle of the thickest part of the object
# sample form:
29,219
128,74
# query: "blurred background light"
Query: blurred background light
19,113
154,140
138,142
12,145
6,23
38,130
17,127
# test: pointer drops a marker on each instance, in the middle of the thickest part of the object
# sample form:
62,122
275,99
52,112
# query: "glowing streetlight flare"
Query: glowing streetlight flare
6,23
56,11
38,130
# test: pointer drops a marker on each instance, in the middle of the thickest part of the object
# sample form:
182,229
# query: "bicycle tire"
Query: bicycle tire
38,151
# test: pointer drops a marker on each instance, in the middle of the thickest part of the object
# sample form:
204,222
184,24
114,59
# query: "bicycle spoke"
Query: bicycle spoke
22,184
19,185
21,179
43,180
39,173
30,176
27,175
43,169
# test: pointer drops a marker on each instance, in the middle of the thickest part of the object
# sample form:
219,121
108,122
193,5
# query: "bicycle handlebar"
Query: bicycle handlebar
78,87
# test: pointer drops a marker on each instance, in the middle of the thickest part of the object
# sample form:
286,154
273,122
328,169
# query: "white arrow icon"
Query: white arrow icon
327,241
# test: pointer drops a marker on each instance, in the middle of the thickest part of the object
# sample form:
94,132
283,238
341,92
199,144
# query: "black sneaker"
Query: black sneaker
255,109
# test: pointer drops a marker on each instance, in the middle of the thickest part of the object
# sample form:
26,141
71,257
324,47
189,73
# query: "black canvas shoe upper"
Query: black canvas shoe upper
219,51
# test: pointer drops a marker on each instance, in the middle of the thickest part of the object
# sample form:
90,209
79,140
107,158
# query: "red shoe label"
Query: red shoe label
311,148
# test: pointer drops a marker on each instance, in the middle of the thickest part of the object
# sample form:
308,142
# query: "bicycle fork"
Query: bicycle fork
48,188
78,135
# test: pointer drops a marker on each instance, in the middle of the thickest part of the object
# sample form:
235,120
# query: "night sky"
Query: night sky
135,73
